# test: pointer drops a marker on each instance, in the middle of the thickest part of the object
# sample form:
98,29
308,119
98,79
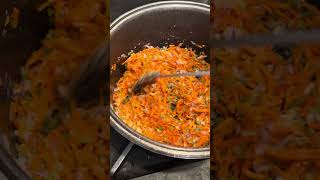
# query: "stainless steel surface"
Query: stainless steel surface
159,24
119,161
309,36
10,168
8,165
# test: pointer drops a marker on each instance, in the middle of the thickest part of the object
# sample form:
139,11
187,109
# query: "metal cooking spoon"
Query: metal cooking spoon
306,36
91,73
151,77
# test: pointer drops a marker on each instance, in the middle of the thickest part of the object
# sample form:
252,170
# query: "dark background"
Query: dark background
17,44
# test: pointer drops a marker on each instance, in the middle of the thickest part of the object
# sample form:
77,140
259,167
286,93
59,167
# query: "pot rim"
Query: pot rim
132,135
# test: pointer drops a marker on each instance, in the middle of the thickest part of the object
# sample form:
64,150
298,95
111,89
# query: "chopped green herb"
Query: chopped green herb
206,144
198,122
170,85
195,68
50,123
191,141
172,106
159,129
126,100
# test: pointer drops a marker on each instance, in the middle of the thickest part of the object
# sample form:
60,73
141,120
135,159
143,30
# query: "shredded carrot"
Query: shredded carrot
58,141
266,99
15,18
175,111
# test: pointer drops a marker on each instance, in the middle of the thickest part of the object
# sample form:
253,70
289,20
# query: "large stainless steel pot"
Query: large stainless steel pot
158,24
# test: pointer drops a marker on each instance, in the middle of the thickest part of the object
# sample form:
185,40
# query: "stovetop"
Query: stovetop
139,162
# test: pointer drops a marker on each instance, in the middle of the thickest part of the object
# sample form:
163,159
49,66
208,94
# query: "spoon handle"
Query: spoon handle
268,39
198,73
119,161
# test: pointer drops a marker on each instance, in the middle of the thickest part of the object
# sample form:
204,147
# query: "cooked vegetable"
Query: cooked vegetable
50,123
265,125
274,121
58,142
168,110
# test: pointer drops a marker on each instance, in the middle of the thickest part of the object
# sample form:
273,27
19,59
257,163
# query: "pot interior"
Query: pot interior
159,25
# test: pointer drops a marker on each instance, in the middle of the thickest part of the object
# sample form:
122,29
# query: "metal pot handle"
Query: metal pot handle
10,168
119,161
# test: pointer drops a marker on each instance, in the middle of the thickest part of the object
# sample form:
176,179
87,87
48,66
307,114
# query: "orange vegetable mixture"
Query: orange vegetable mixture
56,141
266,101
174,111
